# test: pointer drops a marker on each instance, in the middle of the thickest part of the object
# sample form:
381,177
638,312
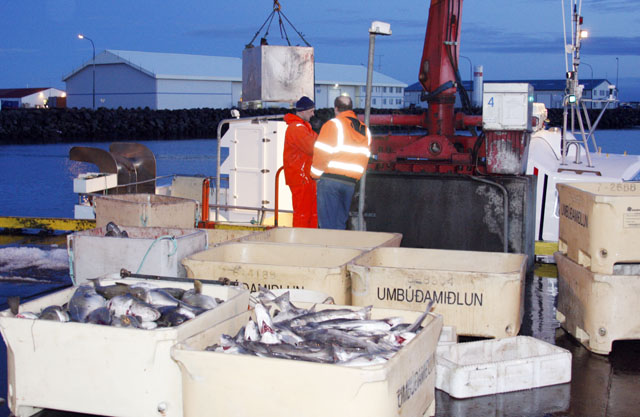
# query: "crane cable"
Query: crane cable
277,8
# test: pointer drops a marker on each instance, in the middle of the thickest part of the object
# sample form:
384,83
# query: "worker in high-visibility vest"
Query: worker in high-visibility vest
297,157
340,158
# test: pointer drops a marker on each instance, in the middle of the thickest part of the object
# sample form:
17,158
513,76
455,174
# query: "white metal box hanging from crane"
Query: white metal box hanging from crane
277,73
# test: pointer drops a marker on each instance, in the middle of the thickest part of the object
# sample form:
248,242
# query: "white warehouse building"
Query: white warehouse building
131,79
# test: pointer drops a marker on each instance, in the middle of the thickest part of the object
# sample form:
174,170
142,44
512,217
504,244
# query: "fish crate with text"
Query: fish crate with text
221,384
158,250
277,266
600,224
145,210
480,293
325,237
100,369
597,309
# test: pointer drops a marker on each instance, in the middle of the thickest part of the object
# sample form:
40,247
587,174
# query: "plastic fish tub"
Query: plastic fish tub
220,384
145,210
599,224
480,293
325,237
97,369
510,364
597,309
219,236
316,268
92,254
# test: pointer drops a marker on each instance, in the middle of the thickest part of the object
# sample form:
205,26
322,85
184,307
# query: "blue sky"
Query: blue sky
512,39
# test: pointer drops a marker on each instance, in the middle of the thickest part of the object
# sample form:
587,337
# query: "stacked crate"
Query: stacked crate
599,262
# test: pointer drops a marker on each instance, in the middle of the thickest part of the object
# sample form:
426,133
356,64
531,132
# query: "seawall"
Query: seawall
60,125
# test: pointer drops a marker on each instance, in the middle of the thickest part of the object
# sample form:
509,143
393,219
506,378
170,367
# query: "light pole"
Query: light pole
470,68
617,86
591,89
93,64
377,28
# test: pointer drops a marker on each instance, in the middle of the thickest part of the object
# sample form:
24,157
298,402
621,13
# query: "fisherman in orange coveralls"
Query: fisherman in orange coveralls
298,155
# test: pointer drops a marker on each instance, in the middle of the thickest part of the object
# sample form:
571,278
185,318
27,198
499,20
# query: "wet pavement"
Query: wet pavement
607,386
601,386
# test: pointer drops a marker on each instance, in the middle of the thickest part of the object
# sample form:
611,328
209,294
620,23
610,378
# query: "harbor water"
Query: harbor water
38,182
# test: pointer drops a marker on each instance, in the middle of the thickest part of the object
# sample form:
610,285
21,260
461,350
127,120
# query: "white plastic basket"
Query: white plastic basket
500,365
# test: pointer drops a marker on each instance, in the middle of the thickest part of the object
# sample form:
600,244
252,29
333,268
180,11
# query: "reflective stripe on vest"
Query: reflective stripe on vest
316,172
340,146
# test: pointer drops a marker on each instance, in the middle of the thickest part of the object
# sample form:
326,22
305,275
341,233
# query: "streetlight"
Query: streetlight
93,63
377,28
470,68
591,89
617,86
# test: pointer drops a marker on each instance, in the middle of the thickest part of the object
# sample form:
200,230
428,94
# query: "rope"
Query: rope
283,30
175,249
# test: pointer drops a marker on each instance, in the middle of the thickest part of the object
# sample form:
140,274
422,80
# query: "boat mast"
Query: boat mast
573,99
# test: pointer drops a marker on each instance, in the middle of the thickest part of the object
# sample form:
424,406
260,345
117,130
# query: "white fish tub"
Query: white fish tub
494,366
145,210
97,369
599,224
220,236
273,266
480,293
92,254
597,309
325,237
221,384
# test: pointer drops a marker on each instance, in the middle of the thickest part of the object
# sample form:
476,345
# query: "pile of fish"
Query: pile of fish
142,305
342,336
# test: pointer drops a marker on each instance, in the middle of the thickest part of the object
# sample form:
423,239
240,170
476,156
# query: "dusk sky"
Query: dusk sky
512,39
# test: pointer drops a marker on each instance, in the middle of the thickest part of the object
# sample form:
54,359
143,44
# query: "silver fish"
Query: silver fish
195,297
84,300
324,315
54,313
251,331
100,315
124,305
162,297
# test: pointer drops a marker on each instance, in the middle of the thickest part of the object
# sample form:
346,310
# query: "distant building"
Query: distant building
549,92
131,79
30,97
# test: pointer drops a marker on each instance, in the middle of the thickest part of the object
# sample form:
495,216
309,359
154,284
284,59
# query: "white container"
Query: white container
94,181
92,254
597,309
493,366
145,210
219,384
507,106
480,293
277,73
277,266
326,237
219,236
599,224
96,369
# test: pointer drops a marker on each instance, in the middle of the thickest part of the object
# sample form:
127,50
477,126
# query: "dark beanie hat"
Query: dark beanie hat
305,103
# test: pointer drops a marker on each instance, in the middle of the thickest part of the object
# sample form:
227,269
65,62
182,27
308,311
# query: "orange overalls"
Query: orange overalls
299,140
